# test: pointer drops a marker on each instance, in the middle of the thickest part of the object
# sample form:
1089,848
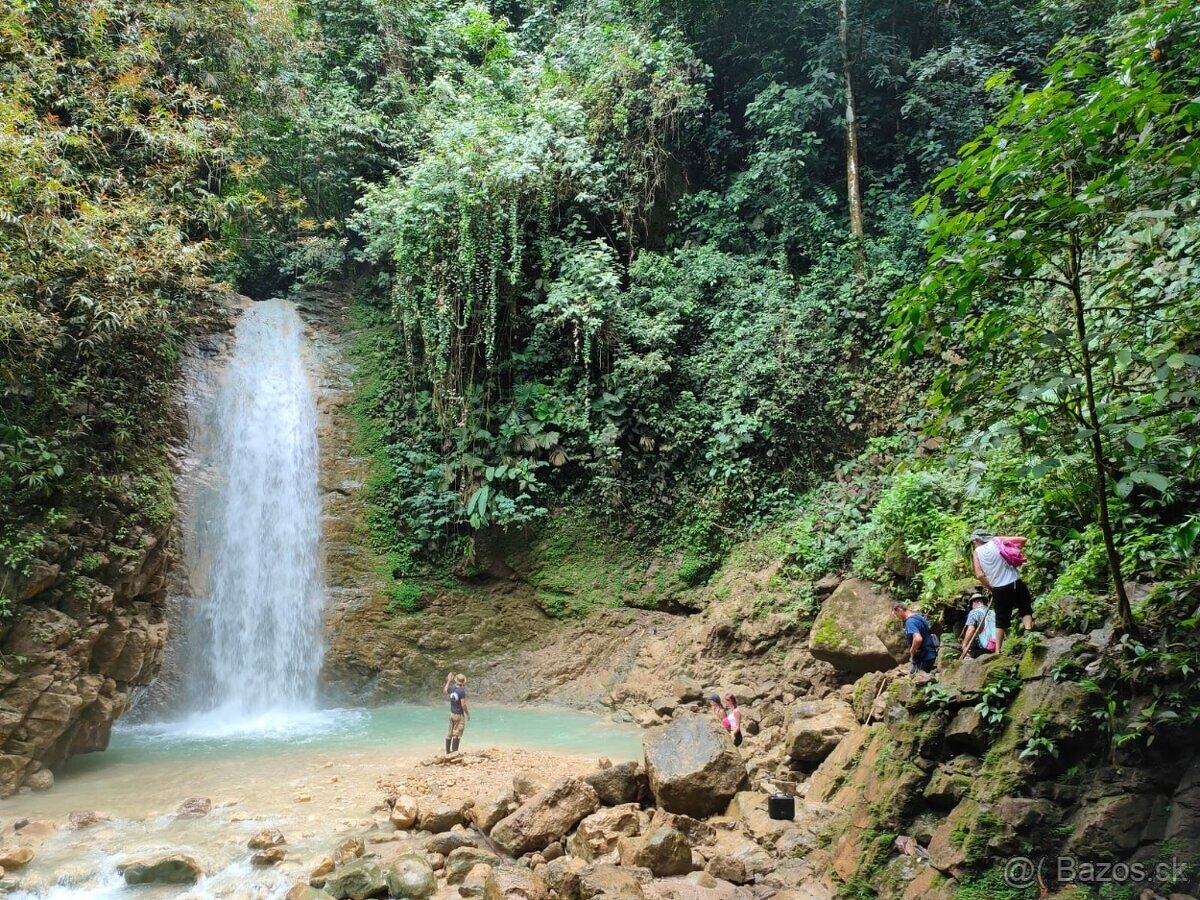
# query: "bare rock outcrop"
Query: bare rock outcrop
89,627
693,767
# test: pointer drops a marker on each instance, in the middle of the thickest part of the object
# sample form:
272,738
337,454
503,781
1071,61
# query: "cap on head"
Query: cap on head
981,536
713,698
978,598
460,678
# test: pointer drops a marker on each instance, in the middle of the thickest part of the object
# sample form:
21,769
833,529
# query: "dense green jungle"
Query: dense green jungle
825,284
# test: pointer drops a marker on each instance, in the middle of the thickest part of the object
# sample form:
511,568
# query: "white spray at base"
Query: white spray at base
254,637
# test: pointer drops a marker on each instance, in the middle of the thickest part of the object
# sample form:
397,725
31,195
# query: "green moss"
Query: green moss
869,876
986,827
406,596
153,496
578,567
827,634
990,885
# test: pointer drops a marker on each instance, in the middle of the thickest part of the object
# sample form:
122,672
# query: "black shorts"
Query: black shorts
1009,600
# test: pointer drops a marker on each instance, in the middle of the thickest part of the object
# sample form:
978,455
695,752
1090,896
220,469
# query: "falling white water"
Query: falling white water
253,642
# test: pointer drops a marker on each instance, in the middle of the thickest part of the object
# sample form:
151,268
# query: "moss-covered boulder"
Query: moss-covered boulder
856,631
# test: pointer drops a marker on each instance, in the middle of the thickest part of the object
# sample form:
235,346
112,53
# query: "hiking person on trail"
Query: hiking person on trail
996,558
922,643
456,687
980,636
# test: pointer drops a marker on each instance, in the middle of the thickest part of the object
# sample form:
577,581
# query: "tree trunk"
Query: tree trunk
1124,610
853,185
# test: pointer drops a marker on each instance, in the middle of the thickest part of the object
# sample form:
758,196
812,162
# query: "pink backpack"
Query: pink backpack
1010,552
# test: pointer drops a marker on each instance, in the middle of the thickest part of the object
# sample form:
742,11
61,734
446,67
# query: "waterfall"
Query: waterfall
254,637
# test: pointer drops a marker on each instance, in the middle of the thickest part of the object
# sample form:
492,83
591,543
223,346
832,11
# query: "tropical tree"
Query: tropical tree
1062,291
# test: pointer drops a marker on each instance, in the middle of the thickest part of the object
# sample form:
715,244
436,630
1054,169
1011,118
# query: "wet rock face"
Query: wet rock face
90,626
693,767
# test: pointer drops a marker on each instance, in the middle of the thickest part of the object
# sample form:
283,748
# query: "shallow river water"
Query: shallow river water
316,777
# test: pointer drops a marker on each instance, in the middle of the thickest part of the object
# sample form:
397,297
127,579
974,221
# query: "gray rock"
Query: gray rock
449,841
664,851
693,766
356,880
490,810
514,883
194,808
597,835
441,817
816,727
410,877
270,856
562,875
609,881
175,868
617,784
968,731
460,862
268,837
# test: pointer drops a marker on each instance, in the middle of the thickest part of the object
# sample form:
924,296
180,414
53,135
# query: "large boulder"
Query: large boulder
693,767
514,883
597,835
664,851
816,727
410,877
856,630
617,784
175,868
546,817
356,880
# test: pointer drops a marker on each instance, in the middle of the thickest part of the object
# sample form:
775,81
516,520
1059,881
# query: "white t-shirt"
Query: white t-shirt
995,569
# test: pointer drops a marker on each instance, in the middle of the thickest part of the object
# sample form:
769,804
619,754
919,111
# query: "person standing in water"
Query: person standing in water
456,688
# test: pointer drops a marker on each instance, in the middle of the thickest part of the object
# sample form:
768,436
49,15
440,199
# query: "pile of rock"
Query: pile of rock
682,825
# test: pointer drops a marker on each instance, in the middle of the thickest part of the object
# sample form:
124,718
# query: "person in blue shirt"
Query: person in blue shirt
921,643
